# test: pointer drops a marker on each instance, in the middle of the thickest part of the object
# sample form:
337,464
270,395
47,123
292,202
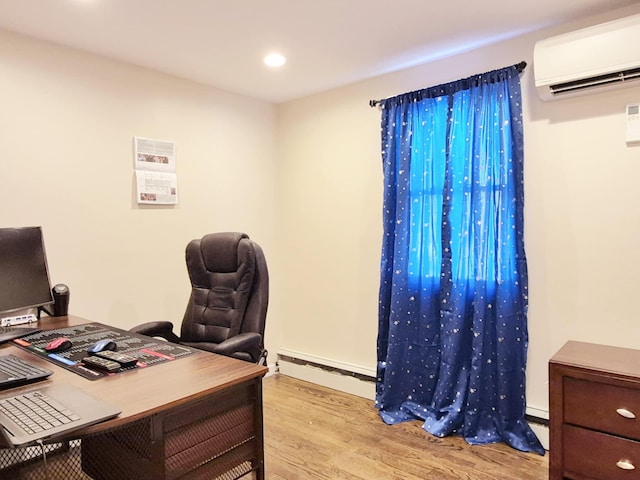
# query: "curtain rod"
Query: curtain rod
520,66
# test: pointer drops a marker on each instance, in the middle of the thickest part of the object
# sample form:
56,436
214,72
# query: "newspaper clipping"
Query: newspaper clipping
155,166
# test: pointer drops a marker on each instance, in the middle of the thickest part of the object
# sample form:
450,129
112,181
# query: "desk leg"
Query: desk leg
259,430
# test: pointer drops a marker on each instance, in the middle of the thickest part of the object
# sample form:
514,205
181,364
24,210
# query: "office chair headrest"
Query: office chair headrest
220,251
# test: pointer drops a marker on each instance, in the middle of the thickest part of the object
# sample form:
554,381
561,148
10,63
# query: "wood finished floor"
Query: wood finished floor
312,432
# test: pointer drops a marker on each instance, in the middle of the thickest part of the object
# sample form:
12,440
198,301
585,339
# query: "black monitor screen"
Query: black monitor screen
24,276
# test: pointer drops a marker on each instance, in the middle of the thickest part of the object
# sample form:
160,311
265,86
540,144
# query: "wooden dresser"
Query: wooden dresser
594,413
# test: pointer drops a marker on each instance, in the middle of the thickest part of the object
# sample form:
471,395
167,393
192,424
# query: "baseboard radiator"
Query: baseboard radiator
361,381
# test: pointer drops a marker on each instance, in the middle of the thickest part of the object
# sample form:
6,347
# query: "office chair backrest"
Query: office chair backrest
230,288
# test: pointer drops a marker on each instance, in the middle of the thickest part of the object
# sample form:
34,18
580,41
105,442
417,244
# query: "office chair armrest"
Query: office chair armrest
243,342
157,329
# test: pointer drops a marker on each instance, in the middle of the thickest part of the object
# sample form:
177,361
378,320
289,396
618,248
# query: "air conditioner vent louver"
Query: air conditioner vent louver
590,60
597,81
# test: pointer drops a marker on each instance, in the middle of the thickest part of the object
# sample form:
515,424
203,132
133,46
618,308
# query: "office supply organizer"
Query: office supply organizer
147,350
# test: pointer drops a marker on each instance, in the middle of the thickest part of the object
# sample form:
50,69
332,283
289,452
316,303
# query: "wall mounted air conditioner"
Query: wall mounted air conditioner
589,60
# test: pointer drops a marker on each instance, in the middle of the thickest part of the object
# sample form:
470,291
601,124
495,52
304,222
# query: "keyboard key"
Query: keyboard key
35,412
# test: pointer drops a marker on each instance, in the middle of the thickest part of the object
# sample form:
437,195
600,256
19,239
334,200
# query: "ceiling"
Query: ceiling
328,43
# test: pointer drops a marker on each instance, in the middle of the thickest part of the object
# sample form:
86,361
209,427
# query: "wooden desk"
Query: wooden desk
195,417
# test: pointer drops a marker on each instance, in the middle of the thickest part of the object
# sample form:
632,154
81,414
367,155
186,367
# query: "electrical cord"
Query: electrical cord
44,458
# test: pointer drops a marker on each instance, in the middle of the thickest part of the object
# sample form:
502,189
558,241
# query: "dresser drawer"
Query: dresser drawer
599,456
602,407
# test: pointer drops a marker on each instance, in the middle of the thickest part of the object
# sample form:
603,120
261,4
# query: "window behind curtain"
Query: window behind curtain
452,337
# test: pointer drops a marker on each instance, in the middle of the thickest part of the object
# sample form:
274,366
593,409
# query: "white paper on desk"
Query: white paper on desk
157,187
155,167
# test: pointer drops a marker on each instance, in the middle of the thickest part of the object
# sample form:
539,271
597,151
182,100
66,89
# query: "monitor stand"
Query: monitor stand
43,309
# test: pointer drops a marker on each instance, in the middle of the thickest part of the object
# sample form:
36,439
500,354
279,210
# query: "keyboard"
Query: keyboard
54,409
35,412
14,370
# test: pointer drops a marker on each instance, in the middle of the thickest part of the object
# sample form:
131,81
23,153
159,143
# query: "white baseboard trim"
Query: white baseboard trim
542,432
360,381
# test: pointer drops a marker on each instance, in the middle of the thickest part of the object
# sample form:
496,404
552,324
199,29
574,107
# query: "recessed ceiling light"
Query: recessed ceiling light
274,60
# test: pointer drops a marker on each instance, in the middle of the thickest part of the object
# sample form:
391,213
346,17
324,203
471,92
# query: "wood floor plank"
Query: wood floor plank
312,432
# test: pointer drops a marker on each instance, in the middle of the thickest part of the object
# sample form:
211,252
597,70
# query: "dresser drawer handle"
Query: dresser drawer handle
626,413
625,465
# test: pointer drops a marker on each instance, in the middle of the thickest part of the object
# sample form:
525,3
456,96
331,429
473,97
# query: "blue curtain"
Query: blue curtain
452,336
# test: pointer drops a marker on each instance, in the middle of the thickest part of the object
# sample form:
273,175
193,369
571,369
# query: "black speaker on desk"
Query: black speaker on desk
61,300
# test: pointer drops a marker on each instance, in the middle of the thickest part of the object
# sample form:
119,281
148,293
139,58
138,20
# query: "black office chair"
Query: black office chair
227,309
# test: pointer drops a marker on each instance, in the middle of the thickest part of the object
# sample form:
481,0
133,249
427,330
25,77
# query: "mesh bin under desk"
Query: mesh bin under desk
219,436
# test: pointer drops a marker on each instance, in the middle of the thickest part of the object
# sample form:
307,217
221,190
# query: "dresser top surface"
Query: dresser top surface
623,361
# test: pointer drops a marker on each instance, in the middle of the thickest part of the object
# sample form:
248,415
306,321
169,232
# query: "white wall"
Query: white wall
582,213
67,120
304,179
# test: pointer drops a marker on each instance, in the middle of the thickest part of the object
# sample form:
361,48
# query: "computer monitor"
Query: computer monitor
24,275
